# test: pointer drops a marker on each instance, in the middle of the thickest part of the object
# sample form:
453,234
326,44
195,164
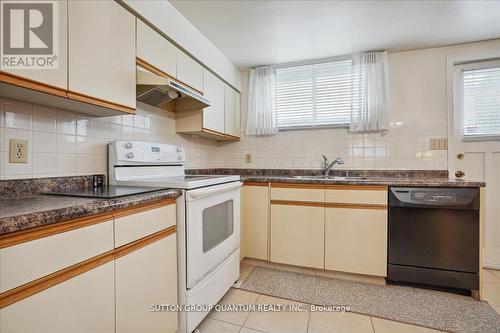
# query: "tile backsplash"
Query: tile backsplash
405,147
64,143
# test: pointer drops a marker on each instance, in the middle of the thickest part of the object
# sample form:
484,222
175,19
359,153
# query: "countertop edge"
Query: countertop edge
385,182
15,223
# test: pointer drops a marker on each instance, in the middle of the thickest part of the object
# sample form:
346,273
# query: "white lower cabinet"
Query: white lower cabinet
356,240
91,285
297,235
145,278
255,221
81,304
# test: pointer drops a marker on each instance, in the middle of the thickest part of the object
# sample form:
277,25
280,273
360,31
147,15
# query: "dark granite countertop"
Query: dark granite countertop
29,211
417,182
421,178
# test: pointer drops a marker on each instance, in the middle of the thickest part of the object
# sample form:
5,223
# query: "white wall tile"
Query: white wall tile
66,164
44,142
44,163
84,126
83,164
44,119
66,144
66,123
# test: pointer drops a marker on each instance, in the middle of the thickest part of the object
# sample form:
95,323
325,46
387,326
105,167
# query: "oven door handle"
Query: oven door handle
205,192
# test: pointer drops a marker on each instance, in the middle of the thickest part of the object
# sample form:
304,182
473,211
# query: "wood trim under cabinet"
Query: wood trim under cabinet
99,102
266,184
31,234
29,289
226,137
153,69
31,84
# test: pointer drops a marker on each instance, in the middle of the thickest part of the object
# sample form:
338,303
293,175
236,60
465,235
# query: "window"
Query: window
315,95
480,99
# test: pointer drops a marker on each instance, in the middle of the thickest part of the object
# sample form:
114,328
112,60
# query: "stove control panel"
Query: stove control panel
141,152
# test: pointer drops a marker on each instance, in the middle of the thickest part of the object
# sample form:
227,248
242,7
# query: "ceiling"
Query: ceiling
252,33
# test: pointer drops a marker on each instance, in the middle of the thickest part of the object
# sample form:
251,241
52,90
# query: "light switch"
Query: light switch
18,151
248,158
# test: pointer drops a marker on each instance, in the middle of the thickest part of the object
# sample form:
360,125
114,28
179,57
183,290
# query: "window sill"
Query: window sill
286,129
480,138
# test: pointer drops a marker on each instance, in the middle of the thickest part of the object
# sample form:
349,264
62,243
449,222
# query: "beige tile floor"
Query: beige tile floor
312,322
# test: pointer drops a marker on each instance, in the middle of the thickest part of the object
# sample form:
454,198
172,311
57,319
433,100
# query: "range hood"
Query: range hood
166,93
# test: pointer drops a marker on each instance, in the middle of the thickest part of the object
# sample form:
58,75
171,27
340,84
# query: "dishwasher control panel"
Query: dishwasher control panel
433,196
421,197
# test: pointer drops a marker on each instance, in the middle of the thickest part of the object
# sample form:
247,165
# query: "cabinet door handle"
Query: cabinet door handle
459,174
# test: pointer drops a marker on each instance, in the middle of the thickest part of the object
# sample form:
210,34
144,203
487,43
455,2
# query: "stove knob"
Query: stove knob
179,149
179,157
128,145
130,155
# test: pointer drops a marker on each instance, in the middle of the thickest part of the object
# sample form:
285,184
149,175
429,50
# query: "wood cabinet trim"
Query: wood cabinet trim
355,206
225,137
48,89
29,289
298,203
28,235
357,187
256,184
142,208
15,238
31,84
328,204
99,102
298,185
153,69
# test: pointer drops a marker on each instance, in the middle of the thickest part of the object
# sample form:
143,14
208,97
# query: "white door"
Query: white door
212,228
474,135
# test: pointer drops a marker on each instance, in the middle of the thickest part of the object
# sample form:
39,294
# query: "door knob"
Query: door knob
459,174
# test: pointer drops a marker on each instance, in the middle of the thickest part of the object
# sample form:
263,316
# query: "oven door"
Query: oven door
212,228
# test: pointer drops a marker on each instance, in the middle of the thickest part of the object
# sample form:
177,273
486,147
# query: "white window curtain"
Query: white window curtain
369,98
261,116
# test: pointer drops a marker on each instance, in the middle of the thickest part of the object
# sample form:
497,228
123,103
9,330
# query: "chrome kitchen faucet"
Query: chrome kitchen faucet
328,166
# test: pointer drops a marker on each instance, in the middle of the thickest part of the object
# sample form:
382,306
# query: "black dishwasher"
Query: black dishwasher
434,238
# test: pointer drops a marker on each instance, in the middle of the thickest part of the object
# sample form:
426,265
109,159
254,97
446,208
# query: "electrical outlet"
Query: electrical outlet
248,158
438,143
18,151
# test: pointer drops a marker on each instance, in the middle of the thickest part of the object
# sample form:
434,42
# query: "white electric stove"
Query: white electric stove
208,219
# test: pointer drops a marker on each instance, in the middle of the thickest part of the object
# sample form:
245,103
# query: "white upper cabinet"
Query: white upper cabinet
101,53
154,49
213,116
232,112
189,71
52,77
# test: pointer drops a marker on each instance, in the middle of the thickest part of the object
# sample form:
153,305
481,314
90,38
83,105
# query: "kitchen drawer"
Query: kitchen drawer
300,193
349,194
25,262
136,223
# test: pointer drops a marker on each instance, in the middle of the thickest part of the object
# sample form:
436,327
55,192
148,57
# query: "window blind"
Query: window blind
315,95
481,101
